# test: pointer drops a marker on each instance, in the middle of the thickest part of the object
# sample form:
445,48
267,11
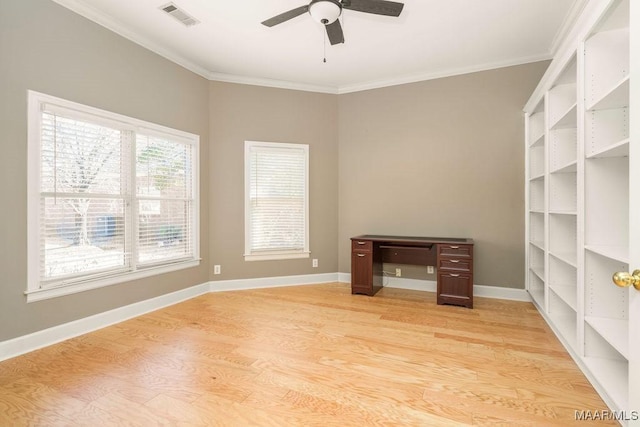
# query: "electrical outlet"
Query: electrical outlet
430,269
216,269
314,263
398,272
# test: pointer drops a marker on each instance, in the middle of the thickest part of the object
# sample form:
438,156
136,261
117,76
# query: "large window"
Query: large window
276,201
111,198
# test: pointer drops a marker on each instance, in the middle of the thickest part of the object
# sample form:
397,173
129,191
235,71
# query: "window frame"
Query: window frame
268,255
38,290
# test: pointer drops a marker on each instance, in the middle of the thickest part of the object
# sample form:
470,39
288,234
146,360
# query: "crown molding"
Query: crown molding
567,25
109,23
281,84
376,84
450,72
587,19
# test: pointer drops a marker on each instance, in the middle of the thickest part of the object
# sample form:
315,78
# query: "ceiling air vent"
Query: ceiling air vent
179,14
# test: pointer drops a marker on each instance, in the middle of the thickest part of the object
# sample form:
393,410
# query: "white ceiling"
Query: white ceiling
431,38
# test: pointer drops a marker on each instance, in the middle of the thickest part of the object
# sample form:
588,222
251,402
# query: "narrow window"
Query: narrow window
276,201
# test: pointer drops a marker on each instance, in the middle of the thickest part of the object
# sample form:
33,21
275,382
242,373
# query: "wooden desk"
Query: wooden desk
453,259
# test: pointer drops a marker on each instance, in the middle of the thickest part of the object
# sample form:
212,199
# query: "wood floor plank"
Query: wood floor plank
305,355
361,396
36,401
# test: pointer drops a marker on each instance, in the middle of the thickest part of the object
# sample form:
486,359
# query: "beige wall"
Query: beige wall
254,113
47,48
440,158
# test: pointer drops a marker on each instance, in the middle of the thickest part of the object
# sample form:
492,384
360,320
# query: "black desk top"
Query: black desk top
412,239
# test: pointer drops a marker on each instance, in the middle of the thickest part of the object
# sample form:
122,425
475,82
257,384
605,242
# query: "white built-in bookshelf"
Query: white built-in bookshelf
536,188
578,186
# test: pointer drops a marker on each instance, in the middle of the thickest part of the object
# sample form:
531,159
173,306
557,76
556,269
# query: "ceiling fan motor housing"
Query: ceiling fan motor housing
325,11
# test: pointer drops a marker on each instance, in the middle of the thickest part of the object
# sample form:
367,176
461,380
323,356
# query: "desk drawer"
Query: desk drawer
454,264
361,245
455,250
455,288
413,255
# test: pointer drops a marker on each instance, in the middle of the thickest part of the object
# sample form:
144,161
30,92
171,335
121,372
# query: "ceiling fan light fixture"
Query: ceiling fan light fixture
325,11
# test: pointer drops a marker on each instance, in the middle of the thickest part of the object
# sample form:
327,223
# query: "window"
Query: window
111,198
276,201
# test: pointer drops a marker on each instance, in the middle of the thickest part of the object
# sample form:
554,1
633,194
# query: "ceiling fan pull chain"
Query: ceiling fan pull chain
324,46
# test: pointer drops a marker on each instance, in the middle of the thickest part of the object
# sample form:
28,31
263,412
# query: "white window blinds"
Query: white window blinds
276,200
165,199
107,196
82,198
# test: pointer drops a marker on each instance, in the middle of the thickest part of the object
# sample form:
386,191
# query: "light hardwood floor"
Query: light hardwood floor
304,356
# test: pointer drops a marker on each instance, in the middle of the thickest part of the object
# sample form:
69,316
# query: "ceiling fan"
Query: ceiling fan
327,12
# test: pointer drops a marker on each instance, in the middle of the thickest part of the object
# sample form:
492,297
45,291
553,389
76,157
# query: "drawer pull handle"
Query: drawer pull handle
455,261
362,243
454,247
454,275
361,255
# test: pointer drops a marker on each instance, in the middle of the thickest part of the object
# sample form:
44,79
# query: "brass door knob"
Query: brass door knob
624,279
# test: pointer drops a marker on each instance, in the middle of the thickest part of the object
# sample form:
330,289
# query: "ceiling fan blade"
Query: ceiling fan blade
378,7
334,32
279,19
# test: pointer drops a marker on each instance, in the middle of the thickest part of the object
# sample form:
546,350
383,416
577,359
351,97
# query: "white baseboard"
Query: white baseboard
501,293
271,282
496,292
27,343
344,277
413,284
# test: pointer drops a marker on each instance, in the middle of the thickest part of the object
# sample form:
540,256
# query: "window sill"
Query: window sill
271,256
72,288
